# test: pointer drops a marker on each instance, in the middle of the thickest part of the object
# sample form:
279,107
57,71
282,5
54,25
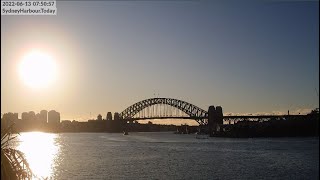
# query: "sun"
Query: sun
38,69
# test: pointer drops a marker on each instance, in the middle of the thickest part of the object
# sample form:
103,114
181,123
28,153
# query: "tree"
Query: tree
14,166
315,111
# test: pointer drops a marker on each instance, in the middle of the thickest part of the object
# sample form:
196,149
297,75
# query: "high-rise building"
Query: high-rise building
38,117
116,116
44,116
99,117
25,116
53,117
32,115
109,116
15,116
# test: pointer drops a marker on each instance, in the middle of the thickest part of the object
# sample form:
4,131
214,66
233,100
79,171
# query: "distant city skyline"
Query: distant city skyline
258,57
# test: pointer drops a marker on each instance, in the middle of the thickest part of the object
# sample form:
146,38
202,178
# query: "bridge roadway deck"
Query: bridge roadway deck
224,117
261,116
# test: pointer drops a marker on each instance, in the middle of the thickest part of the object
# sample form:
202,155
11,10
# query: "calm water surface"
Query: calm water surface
168,156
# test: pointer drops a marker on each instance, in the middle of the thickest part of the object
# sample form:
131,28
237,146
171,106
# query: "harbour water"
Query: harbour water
165,155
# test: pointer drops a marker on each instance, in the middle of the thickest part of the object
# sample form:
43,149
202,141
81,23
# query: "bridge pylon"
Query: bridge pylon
215,119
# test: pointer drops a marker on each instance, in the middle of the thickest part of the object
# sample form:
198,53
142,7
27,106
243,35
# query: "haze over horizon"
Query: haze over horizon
248,57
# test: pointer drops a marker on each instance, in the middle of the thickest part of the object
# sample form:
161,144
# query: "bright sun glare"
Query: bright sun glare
37,69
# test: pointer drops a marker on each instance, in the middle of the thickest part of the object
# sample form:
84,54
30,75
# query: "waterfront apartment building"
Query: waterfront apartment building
43,116
116,116
99,117
24,116
109,116
53,117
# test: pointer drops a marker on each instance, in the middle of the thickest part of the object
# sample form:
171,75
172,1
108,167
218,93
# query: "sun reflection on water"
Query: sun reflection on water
40,150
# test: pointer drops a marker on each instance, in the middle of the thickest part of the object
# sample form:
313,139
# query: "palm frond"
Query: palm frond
14,165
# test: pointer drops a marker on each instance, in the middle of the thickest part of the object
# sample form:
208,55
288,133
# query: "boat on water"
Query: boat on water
201,135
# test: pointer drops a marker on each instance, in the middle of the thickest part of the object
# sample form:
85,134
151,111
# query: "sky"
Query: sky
248,56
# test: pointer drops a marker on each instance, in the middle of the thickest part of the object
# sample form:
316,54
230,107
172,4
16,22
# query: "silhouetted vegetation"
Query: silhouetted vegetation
14,166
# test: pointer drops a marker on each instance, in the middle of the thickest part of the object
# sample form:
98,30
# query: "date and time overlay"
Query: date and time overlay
28,7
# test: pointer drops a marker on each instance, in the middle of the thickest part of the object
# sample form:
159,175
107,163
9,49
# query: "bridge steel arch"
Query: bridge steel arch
191,110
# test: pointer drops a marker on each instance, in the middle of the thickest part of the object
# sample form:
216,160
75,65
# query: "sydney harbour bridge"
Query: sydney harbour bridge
169,108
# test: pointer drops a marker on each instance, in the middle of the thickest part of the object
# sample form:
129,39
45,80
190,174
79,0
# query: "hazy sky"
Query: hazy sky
247,57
